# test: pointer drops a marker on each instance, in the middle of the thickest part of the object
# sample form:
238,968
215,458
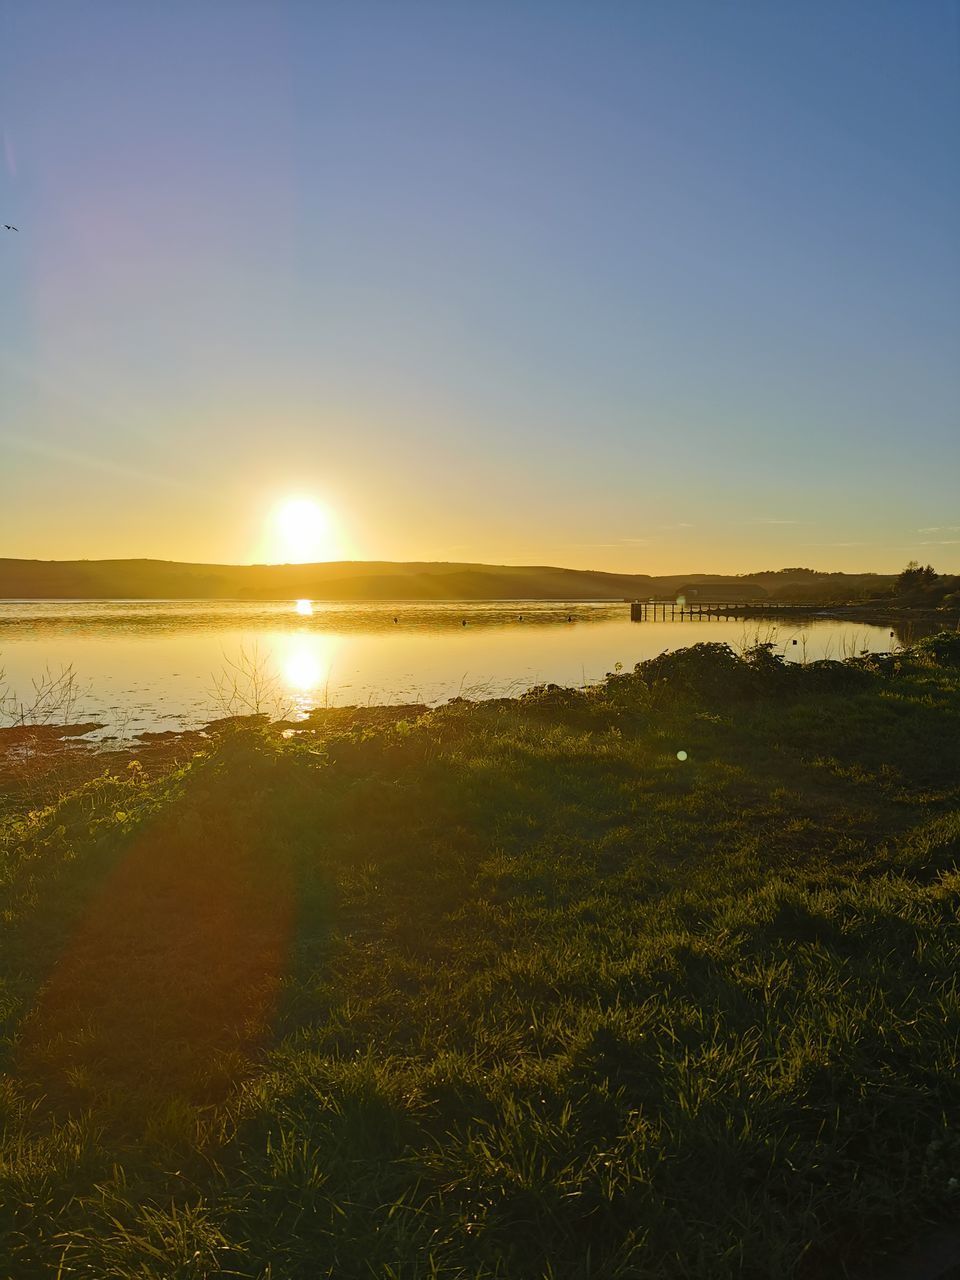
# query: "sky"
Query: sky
657,286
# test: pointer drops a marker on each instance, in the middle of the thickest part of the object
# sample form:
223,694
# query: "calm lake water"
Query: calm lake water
157,665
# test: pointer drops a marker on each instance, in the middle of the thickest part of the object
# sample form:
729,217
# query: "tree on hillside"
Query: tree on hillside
914,576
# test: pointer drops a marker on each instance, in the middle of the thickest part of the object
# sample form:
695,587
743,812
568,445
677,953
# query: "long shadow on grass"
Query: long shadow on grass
170,974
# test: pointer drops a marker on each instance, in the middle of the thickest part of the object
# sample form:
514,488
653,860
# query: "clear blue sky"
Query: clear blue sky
654,286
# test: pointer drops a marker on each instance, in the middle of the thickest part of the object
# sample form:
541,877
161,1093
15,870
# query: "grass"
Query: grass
501,990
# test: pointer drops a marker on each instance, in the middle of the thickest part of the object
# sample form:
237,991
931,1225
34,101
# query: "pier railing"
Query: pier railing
704,610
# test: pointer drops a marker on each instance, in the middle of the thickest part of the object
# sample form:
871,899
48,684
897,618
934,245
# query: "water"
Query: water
171,664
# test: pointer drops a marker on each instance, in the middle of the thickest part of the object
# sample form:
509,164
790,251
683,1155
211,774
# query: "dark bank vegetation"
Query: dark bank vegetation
504,989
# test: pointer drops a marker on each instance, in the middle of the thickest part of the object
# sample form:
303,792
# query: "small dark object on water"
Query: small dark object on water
519,617
394,621
463,623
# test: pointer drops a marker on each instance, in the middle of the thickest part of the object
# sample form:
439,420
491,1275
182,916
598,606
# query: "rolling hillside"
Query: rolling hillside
386,580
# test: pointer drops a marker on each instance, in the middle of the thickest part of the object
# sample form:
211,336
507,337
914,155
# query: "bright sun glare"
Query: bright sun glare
305,662
303,532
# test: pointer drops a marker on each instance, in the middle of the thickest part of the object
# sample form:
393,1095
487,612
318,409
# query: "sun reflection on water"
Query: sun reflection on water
302,671
304,608
305,661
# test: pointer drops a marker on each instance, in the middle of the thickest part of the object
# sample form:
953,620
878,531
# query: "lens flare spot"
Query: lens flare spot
681,755
302,670
305,662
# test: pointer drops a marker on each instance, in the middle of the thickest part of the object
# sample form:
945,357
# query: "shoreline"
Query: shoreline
699,919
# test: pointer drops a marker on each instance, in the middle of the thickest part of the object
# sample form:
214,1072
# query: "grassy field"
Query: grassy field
504,990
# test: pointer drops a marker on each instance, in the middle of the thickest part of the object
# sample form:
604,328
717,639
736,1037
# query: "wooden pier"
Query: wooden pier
703,610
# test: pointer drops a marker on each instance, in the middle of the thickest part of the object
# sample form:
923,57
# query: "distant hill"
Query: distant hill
387,580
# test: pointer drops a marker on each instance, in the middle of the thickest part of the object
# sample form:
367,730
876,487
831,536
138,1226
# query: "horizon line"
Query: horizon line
319,565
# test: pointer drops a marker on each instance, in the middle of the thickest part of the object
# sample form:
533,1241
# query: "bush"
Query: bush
829,676
712,670
941,650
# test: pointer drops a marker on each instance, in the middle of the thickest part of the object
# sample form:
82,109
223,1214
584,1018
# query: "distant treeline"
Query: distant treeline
920,586
386,580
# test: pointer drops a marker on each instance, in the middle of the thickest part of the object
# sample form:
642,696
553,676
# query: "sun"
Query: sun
303,532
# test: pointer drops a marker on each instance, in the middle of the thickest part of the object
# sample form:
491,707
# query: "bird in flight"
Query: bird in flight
8,227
